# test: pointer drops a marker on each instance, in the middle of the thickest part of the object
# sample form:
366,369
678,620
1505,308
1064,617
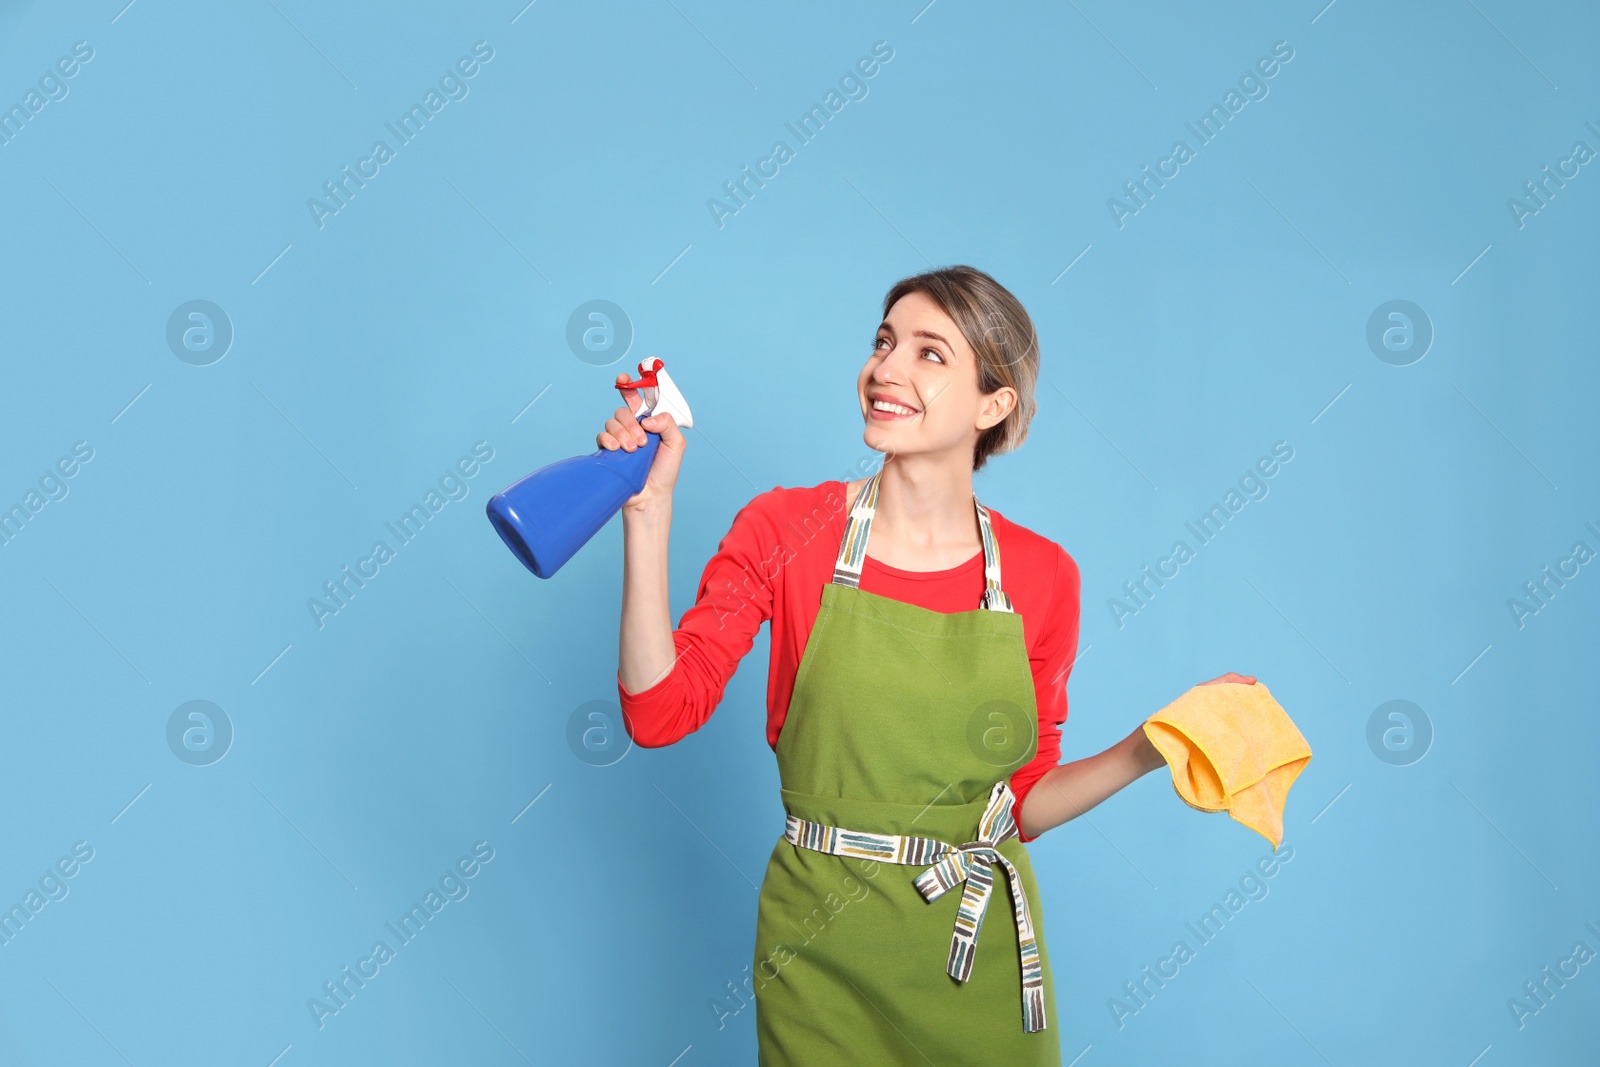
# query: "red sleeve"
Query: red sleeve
1051,660
735,597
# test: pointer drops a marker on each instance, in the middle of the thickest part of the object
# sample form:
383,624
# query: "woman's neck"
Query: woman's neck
925,518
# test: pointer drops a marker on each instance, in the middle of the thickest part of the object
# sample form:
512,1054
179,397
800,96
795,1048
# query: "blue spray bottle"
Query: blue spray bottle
546,517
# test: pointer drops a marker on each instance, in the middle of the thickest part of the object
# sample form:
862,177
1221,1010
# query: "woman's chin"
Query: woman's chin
876,440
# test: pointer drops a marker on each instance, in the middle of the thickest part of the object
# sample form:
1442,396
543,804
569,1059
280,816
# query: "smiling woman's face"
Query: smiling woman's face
920,361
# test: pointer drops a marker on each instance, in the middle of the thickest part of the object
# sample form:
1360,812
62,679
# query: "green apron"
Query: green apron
895,755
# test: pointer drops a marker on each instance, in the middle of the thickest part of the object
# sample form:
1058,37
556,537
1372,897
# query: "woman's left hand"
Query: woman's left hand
1146,757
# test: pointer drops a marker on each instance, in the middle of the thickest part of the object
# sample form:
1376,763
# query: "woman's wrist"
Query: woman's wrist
1146,756
650,514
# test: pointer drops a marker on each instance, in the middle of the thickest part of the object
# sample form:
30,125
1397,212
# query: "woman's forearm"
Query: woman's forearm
1067,791
645,652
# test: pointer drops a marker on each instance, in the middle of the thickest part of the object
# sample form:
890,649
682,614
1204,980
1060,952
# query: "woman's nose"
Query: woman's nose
889,370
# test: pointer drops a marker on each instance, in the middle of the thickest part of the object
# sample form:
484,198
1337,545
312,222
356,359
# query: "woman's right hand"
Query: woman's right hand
627,433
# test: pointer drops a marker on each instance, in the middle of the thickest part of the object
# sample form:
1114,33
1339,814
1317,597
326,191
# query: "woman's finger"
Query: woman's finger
1231,676
626,439
630,397
629,422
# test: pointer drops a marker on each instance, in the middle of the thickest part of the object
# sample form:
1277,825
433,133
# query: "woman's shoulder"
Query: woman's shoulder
808,503
784,523
1034,547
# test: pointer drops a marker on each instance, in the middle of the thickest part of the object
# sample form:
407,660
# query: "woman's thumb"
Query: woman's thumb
665,425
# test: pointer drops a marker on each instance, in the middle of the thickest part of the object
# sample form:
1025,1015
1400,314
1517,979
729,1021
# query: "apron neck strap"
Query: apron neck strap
853,548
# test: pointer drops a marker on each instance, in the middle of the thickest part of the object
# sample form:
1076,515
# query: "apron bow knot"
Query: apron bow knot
971,865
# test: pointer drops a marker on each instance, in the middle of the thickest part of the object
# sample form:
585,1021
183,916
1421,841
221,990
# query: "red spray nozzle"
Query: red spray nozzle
647,374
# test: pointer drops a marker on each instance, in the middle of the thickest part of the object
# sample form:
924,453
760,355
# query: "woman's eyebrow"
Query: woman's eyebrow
885,327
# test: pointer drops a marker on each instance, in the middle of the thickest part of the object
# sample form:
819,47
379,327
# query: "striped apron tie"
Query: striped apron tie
971,863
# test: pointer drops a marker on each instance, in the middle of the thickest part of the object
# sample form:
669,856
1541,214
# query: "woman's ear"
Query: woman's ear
996,406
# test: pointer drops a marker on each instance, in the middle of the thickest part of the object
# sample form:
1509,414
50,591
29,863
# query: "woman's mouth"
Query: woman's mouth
888,411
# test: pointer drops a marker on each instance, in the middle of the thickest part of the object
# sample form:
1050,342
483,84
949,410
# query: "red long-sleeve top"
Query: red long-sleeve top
771,566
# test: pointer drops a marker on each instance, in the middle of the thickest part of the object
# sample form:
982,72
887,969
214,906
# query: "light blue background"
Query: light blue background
1228,314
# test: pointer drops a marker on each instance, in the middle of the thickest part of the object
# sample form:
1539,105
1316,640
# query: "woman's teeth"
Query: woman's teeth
884,405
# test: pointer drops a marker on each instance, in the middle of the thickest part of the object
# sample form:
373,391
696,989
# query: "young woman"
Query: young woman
915,697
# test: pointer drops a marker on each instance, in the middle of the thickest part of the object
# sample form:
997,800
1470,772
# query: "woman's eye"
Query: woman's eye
933,352
879,343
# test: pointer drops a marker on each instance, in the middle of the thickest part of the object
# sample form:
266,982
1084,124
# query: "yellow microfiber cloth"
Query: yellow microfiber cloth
1231,748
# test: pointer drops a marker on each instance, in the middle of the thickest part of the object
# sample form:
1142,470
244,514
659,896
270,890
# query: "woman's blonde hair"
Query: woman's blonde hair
999,330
